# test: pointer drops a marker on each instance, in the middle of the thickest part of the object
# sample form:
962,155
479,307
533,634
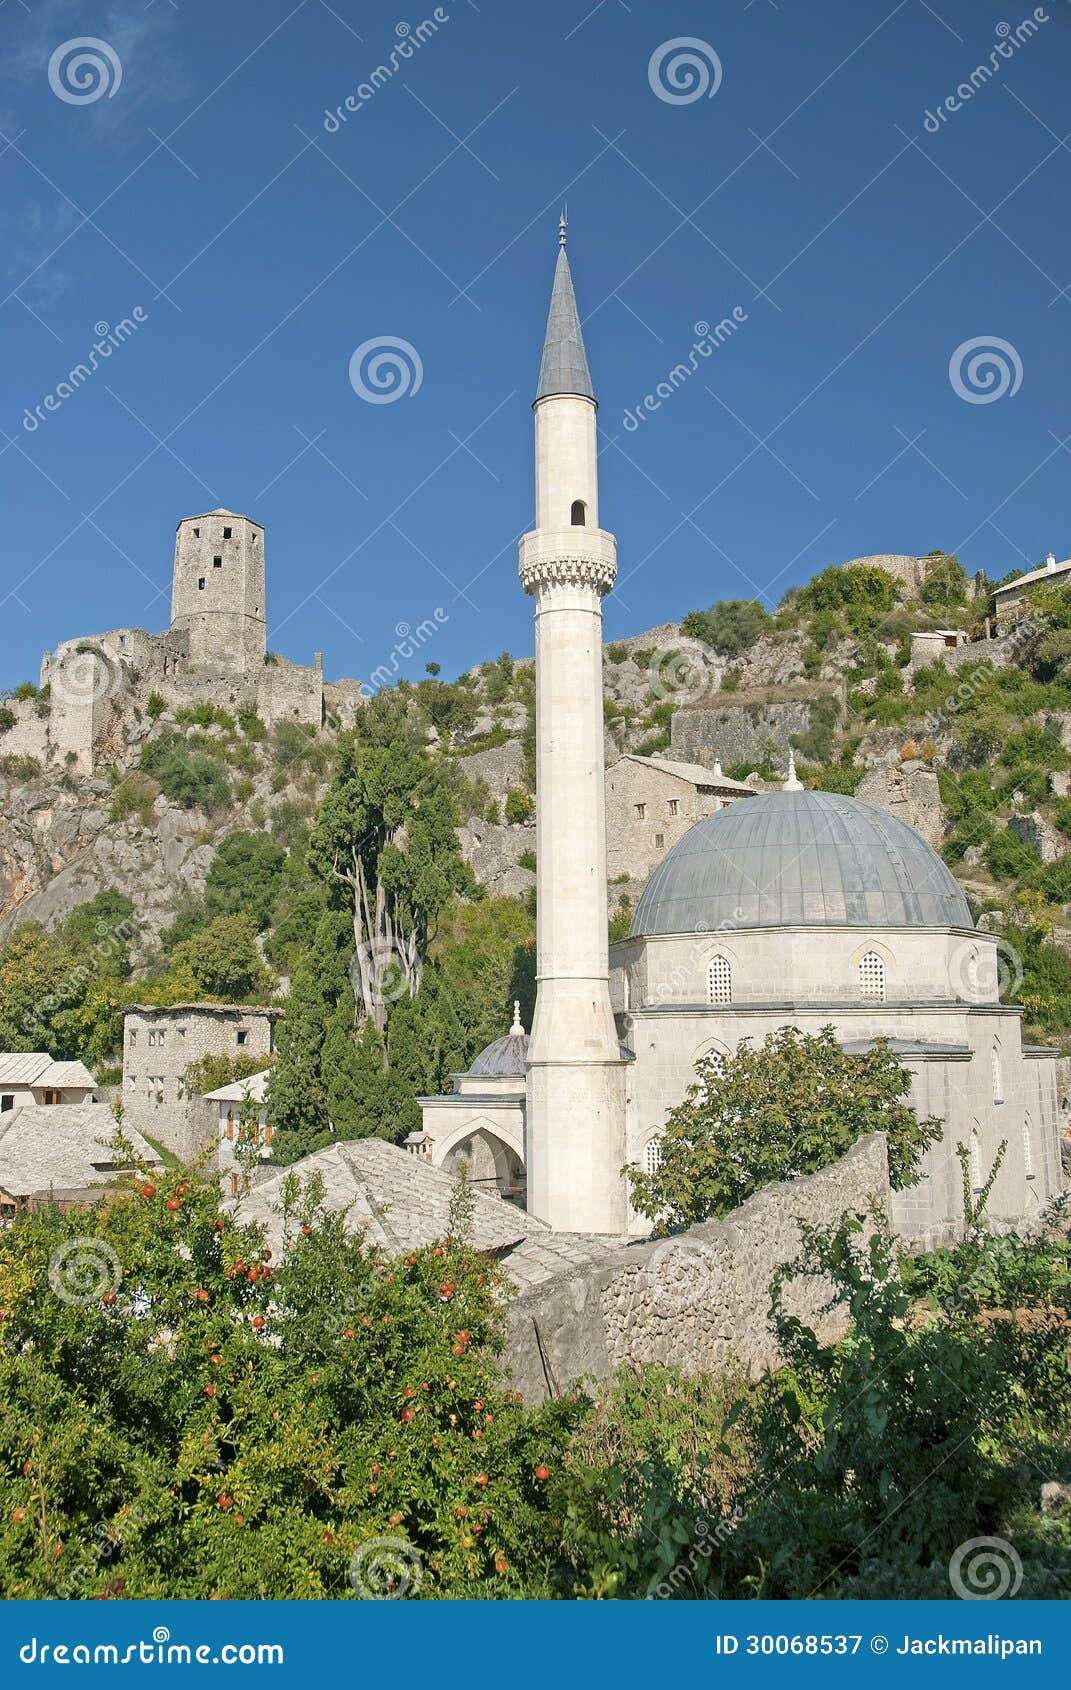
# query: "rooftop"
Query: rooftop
564,367
1032,576
396,1199
254,1087
203,1009
697,774
37,1068
61,1147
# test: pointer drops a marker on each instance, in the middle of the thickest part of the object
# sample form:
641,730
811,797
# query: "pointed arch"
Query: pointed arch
719,980
872,985
996,1072
652,1154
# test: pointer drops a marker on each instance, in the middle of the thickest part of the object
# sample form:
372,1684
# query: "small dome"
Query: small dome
505,1058
799,859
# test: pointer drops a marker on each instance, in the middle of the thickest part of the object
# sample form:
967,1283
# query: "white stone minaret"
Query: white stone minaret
575,1072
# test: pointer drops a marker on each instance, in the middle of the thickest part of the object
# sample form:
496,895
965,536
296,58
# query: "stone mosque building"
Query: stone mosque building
793,908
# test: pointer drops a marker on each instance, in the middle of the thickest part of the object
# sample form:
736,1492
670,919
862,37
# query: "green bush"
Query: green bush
617,653
155,705
1007,857
520,806
731,626
8,718
196,780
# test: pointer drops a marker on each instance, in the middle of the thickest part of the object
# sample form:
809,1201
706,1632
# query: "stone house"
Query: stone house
31,1077
160,1043
242,1114
651,802
1010,601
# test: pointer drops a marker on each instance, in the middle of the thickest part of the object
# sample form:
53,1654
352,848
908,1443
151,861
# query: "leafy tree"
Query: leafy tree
222,959
788,1107
944,580
216,1423
385,844
486,960
208,1073
63,992
297,1094
1007,856
244,876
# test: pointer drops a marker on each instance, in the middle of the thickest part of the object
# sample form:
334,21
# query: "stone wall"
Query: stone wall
738,729
691,1300
909,792
29,735
158,1046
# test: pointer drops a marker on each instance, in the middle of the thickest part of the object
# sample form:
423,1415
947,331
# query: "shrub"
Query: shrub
527,859
1007,857
133,795
155,705
8,718
294,745
519,805
196,780
617,653
730,626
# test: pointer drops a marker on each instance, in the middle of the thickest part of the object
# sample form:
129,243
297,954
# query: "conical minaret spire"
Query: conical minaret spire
575,1112
564,367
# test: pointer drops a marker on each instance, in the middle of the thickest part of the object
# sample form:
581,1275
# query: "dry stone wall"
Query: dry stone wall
691,1300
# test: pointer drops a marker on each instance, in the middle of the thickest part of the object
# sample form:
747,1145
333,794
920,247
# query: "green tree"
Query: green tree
731,626
385,843
297,1095
222,959
788,1107
244,876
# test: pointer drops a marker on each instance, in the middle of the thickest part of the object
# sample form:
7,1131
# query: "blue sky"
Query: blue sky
263,245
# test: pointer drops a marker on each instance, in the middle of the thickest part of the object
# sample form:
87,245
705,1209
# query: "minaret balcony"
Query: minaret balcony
579,556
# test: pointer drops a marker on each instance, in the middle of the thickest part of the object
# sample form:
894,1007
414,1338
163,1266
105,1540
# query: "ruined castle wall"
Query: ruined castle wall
29,736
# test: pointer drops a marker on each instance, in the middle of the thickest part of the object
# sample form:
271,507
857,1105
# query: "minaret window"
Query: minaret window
578,515
872,978
720,981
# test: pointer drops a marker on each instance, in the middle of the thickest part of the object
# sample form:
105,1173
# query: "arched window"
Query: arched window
720,981
1028,1148
652,1156
872,978
578,514
998,1082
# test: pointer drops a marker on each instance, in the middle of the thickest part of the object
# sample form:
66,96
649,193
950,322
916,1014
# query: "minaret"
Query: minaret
575,1124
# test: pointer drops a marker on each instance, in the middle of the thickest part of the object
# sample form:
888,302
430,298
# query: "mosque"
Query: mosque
791,908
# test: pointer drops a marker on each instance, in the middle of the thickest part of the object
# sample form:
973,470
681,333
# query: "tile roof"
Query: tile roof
397,1199
36,1068
58,1147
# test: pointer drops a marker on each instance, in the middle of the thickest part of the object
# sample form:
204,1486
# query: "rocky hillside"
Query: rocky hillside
971,746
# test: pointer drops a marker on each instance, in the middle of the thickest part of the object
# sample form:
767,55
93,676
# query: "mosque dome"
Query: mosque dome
504,1059
799,859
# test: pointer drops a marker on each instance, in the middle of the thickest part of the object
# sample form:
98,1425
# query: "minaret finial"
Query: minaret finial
793,783
563,224
516,1028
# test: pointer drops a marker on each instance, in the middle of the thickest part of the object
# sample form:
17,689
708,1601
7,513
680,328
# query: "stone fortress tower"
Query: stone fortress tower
214,651
575,1083
217,590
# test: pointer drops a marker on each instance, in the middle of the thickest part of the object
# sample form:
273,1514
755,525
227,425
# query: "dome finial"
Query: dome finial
516,1028
563,224
793,783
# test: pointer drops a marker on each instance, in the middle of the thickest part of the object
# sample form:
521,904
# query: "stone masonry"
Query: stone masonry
158,1046
687,1301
